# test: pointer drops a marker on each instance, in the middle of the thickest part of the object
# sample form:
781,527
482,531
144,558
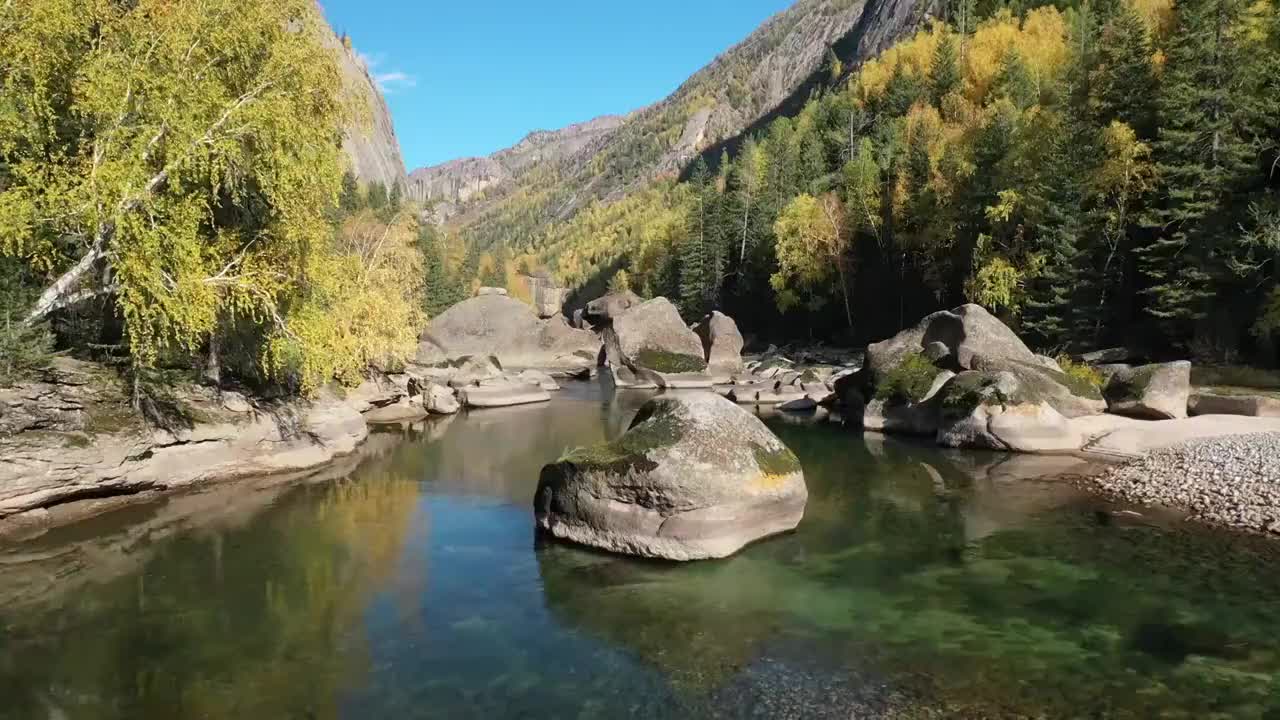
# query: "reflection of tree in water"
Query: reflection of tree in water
256,621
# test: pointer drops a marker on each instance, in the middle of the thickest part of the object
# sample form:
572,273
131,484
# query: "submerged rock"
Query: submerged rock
694,477
1151,392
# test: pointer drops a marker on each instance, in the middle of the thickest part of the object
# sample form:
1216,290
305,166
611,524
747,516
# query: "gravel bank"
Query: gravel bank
1231,480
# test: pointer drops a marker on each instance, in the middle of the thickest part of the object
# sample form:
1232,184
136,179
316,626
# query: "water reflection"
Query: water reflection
408,583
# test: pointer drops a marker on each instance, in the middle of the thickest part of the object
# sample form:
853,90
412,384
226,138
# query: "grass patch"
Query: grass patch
909,382
669,362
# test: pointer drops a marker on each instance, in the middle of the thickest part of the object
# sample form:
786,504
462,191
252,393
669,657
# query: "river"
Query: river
407,582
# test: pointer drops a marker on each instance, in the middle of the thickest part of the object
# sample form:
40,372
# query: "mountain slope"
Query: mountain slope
371,143
747,83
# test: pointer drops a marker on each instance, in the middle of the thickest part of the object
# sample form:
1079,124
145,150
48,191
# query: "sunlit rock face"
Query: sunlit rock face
695,477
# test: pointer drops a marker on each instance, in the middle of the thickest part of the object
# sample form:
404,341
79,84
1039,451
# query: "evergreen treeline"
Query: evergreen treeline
1103,174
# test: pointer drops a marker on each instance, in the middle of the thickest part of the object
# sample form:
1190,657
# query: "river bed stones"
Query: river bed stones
694,477
1231,480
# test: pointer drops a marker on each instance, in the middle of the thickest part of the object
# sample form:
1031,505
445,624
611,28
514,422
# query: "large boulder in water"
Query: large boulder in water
654,342
1151,392
721,345
694,477
608,308
505,328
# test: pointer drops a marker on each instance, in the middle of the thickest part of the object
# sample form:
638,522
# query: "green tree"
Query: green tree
179,158
349,199
1201,158
944,72
1123,81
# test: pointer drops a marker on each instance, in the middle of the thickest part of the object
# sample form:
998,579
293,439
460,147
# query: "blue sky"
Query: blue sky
473,76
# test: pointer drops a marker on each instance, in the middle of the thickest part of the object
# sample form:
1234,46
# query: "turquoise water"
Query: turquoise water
408,583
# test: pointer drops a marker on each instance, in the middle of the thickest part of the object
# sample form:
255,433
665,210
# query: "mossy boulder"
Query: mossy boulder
1151,392
950,339
694,477
652,340
1002,410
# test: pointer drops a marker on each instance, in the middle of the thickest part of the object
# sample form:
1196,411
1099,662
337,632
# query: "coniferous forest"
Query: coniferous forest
1101,173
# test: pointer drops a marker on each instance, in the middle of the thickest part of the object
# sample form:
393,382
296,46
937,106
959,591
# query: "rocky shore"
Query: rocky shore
1232,481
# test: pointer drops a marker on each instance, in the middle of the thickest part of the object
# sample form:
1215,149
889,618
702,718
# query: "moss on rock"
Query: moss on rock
664,361
909,381
647,433
775,462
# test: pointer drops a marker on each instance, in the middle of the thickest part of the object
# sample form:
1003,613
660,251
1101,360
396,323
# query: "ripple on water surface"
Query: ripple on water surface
407,582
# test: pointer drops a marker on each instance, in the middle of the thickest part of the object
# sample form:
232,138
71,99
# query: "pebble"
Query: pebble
1233,481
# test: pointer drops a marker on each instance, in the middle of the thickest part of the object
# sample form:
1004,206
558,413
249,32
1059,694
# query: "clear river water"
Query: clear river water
407,582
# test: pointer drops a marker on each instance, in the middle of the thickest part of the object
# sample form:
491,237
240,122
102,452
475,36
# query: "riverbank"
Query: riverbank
1233,481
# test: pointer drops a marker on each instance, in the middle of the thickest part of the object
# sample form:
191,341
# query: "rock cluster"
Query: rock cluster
1231,481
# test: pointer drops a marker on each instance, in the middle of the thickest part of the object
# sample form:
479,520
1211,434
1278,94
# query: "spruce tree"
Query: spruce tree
693,251
1123,81
944,74
1201,157
1015,82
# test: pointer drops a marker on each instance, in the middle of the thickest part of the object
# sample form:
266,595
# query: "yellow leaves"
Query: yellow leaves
362,306
1126,167
1159,16
1004,208
1040,40
810,245
996,286
913,56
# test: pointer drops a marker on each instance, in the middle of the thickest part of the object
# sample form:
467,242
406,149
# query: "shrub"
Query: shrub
909,381
1082,373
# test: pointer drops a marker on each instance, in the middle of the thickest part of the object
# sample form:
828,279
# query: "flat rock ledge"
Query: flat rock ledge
1232,481
695,477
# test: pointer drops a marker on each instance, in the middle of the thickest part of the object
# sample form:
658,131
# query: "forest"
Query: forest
1102,173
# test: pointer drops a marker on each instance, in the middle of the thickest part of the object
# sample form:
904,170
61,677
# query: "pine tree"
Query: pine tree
438,290
1014,81
1124,77
377,196
944,74
349,201
1201,157
693,251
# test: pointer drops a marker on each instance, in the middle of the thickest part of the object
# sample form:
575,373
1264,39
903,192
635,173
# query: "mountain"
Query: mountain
449,185
371,143
515,194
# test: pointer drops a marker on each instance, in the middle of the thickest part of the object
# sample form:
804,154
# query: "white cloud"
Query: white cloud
388,81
